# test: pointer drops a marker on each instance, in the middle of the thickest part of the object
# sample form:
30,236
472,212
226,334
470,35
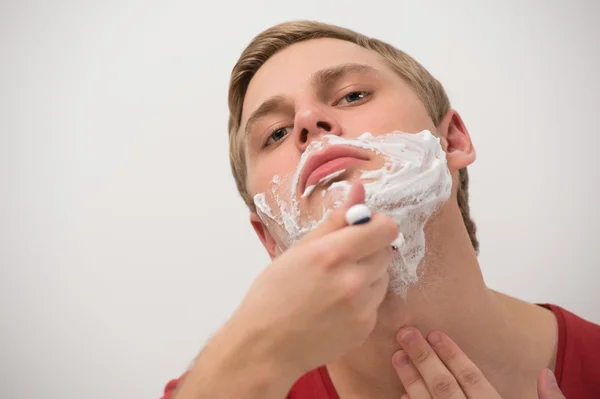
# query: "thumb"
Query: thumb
547,386
337,219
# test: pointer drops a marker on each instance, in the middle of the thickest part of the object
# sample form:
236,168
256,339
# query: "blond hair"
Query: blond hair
277,38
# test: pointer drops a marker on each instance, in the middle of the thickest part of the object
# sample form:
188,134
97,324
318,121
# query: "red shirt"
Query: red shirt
577,364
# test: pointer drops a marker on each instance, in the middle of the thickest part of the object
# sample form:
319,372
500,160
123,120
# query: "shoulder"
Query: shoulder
578,354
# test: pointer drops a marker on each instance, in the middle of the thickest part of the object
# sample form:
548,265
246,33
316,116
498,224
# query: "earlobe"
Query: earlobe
460,152
264,235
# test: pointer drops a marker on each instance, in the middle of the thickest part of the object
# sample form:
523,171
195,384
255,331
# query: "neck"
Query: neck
509,340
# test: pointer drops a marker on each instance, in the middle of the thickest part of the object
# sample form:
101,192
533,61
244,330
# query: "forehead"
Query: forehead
290,70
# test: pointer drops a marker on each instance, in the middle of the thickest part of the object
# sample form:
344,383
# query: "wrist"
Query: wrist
258,352
240,362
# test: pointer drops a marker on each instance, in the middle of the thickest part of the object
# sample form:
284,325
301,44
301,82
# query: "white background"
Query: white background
124,244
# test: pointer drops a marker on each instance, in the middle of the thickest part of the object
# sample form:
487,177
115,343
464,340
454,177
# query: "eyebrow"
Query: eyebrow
324,78
328,77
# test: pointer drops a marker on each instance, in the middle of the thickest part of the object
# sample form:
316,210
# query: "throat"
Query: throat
509,340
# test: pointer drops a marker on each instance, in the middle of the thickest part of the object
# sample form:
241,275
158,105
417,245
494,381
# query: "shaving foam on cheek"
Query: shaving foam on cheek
412,184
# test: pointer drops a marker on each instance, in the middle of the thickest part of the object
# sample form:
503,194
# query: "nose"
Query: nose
311,123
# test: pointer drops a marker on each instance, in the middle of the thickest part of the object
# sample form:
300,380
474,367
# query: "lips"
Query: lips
328,161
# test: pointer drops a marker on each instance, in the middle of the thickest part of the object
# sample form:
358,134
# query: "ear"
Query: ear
264,235
460,152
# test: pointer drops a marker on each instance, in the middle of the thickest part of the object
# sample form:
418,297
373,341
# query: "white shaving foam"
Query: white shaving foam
308,191
412,184
323,182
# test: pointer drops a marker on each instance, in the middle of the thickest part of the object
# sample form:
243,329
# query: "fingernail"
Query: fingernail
552,379
399,241
358,214
401,359
435,339
407,337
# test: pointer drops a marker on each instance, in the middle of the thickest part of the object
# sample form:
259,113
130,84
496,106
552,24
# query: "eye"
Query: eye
353,97
277,135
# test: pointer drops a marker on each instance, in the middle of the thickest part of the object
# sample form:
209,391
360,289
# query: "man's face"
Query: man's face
316,88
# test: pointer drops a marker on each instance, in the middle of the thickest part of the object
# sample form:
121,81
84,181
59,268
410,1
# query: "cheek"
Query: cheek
386,116
262,171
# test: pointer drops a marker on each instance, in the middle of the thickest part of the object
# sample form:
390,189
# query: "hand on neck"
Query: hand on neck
510,340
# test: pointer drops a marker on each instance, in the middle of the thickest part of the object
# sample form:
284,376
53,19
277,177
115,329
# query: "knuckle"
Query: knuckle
351,286
422,355
380,290
367,320
410,380
443,388
328,258
388,256
470,377
382,283
450,355
390,228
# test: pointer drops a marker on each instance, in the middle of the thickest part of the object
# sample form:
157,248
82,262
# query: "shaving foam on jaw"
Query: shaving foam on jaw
412,184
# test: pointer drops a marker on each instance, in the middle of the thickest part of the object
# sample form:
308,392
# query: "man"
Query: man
321,320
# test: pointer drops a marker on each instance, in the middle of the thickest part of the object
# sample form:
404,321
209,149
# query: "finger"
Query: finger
337,219
468,375
369,299
376,292
409,376
380,261
440,382
357,242
547,386
356,195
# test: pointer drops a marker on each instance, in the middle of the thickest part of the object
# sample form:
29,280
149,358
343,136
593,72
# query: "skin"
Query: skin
452,296
435,367
334,105
325,299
